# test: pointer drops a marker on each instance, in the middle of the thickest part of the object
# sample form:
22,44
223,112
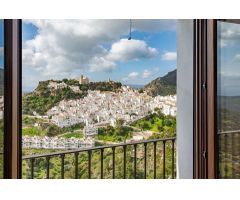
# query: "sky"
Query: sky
228,59
98,49
1,44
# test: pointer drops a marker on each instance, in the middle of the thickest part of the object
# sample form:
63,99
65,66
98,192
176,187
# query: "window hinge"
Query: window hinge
204,85
204,154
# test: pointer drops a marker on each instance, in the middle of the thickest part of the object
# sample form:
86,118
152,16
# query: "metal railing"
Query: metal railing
229,154
168,142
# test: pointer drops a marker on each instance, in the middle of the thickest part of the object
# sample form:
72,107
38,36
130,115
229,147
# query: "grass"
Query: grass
112,134
32,131
75,135
150,125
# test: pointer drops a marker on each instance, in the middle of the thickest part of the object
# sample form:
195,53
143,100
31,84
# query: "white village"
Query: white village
98,109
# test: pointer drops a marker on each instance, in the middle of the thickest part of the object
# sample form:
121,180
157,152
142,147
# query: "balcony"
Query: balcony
149,159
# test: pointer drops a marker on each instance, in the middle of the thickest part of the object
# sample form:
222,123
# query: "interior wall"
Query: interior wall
185,99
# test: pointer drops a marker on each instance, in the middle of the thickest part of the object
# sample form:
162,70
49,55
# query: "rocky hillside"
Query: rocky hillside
50,93
165,85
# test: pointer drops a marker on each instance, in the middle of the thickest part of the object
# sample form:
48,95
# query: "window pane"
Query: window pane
228,97
1,95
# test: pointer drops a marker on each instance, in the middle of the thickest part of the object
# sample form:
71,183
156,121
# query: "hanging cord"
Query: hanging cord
130,31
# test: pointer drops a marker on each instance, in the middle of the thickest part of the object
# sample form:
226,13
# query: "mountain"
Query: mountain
165,85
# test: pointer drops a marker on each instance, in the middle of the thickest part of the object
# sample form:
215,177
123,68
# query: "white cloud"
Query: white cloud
169,56
64,47
146,73
131,76
228,34
125,49
101,64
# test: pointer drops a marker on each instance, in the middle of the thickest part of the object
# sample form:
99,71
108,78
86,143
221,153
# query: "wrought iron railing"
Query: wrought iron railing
149,148
229,154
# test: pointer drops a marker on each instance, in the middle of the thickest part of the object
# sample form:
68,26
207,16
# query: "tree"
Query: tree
53,130
119,122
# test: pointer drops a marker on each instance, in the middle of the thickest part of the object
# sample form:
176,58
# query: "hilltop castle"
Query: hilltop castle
83,80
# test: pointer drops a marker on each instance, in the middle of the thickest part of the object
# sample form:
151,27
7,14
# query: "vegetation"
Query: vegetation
32,131
45,129
118,134
26,121
74,135
74,127
44,98
162,126
102,86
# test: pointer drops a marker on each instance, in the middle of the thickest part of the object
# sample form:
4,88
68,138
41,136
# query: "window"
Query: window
1,96
228,100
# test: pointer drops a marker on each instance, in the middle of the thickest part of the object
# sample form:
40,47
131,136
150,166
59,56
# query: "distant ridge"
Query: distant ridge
164,86
135,86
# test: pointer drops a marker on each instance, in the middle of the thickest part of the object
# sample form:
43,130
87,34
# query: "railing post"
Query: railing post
145,160
47,159
89,163
32,167
154,160
113,162
135,161
173,172
124,161
62,167
102,151
76,165
164,159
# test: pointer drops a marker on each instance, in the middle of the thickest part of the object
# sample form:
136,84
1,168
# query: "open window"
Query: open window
207,86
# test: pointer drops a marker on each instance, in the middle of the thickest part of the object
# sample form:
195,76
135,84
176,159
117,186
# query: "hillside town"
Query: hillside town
105,108
98,109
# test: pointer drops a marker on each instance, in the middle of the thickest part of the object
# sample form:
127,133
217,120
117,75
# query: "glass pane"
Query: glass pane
228,97
1,95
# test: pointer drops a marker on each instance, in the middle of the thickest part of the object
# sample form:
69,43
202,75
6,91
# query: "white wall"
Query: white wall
185,99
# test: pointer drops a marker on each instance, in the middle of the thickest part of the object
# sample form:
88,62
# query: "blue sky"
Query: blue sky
1,43
99,49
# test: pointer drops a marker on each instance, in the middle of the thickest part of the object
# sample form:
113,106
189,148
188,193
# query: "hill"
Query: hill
50,93
165,85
